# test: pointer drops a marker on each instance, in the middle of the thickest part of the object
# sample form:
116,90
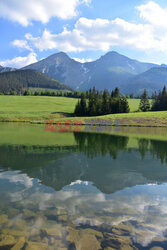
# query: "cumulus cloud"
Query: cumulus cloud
23,44
101,34
153,13
24,12
91,34
98,34
19,62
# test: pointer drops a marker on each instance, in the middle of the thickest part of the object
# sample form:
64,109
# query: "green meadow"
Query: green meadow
35,109
42,106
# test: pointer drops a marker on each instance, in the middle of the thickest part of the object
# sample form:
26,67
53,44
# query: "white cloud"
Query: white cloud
98,34
82,60
153,13
19,62
24,12
21,44
101,34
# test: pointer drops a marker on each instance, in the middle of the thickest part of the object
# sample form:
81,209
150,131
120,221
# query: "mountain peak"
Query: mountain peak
60,54
112,53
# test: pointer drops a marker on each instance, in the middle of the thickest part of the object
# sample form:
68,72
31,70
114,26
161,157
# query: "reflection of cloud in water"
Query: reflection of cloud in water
17,177
144,206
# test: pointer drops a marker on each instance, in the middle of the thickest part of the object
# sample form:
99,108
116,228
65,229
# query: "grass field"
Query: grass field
42,106
37,108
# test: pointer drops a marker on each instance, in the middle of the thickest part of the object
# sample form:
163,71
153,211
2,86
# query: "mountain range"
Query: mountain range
109,71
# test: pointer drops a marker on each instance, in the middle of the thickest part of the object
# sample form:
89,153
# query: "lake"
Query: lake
81,190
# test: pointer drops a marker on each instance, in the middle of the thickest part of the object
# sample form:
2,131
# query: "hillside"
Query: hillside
109,71
151,80
20,79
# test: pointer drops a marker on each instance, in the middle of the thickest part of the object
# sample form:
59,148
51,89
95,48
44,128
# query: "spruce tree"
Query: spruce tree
77,109
83,108
124,105
144,103
163,99
105,103
92,102
116,92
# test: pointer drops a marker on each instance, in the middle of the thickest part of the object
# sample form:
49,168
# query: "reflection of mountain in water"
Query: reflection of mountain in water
101,159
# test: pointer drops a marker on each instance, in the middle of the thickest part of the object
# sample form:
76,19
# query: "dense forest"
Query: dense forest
160,101
17,81
96,103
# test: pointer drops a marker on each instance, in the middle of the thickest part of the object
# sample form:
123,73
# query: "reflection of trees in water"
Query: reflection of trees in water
143,147
157,148
94,144
100,144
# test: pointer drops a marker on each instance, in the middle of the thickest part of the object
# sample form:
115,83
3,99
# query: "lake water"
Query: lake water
82,191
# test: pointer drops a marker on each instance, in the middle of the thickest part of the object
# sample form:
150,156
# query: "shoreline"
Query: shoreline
97,121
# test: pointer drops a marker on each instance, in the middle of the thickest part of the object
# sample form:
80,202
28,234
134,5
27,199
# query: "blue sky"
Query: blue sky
84,29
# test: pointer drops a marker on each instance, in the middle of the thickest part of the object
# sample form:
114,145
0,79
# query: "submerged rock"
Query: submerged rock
29,214
62,218
12,212
84,239
37,246
7,240
117,242
3,219
16,233
156,248
20,244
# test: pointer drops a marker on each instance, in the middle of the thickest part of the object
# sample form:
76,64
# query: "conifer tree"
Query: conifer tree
105,103
116,92
77,109
125,105
83,107
144,103
163,99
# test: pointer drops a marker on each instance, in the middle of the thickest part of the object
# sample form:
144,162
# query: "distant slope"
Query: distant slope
109,71
19,79
151,80
6,69
113,70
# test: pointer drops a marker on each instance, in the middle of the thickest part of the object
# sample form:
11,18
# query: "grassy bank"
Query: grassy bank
35,109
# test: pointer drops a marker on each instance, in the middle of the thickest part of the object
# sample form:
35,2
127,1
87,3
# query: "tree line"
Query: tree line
159,102
96,103
29,92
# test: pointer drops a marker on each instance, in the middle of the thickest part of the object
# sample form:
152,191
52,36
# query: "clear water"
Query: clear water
91,191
